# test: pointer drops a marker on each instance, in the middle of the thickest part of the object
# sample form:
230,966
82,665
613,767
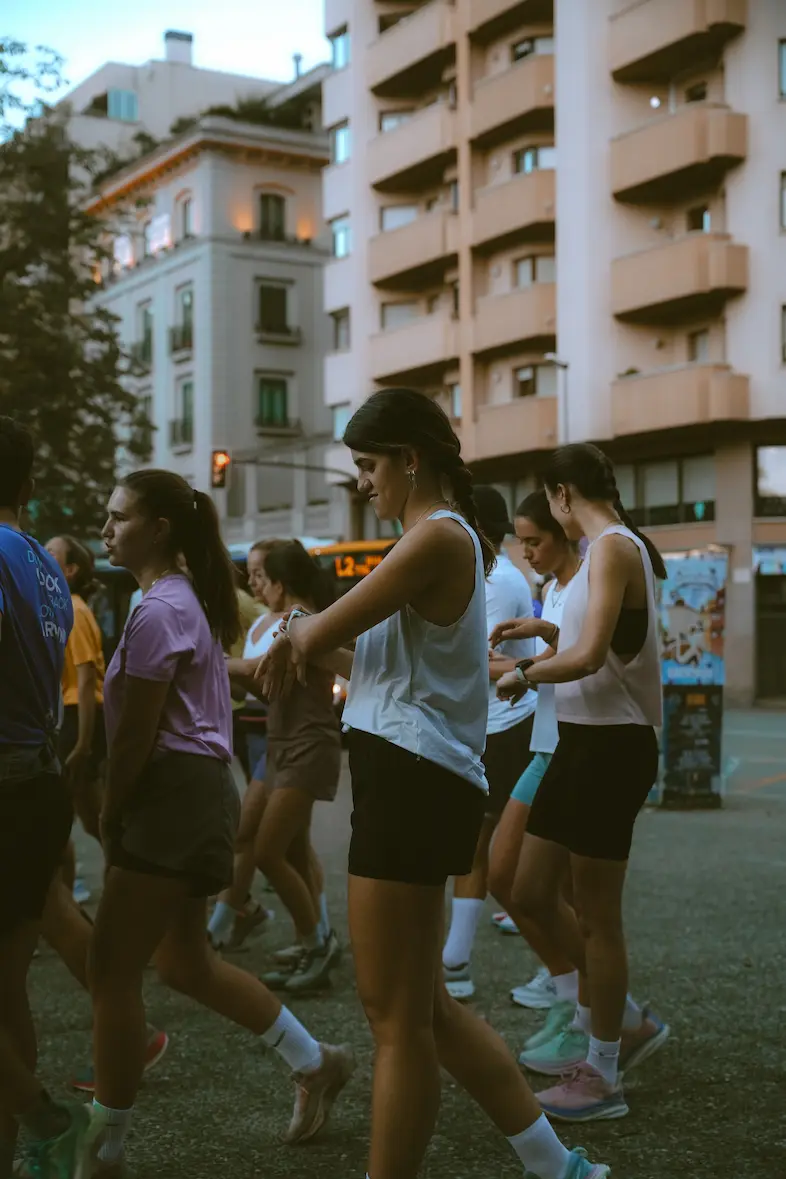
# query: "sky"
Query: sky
253,37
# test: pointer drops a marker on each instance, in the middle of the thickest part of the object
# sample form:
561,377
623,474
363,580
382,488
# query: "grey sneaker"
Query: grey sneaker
277,979
313,970
458,982
315,1092
246,923
289,955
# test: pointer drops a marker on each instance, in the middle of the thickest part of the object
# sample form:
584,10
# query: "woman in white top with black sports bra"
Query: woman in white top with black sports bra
417,710
607,672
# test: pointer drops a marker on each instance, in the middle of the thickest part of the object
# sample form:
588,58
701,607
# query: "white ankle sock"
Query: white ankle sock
541,1151
604,1055
633,1017
222,922
117,1123
582,1020
466,914
324,920
293,1043
567,986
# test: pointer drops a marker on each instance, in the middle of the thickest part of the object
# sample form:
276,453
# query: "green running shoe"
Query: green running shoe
558,1018
70,1156
561,1055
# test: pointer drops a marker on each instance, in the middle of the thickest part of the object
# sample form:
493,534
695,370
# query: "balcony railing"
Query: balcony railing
181,337
181,432
278,426
279,333
141,352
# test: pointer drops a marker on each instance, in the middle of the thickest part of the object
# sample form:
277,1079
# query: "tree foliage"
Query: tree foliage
60,361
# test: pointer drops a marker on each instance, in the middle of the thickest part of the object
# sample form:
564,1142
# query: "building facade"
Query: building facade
219,247
567,222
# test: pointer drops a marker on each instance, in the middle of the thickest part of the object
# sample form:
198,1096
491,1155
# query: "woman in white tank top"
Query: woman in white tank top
417,711
608,695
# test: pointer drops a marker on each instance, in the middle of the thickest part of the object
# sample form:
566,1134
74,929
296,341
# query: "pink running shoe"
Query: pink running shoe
583,1096
637,1046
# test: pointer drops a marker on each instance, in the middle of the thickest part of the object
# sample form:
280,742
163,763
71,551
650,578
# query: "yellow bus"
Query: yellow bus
348,562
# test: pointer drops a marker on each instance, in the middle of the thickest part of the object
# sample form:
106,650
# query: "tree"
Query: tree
61,366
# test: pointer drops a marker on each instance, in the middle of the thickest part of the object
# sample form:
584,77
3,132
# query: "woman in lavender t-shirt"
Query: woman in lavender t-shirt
171,808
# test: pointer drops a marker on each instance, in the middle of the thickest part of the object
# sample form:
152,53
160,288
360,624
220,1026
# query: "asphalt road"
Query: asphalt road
705,906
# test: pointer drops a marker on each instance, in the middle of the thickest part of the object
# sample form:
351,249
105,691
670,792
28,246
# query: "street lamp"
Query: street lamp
554,359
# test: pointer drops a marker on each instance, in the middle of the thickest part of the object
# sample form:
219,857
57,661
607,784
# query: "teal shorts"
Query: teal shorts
527,786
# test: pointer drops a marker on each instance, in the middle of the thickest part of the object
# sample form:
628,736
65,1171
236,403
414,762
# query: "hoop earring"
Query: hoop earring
413,479
565,509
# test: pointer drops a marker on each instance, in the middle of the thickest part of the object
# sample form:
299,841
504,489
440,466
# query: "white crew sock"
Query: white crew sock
117,1122
582,1020
541,1151
604,1055
324,920
466,914
221,925
315,940
567,987
293,1043
633,1017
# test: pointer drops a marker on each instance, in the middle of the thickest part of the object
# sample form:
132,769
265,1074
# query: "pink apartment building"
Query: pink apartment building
567,221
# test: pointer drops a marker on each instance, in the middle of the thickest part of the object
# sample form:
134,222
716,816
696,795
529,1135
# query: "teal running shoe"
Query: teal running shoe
580,1167
558,1018
70,1156
558,1056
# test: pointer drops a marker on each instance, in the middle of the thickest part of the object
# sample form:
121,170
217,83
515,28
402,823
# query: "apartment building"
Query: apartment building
567,221
219,247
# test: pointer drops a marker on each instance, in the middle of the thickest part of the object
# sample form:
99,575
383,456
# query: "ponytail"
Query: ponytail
288,563
83,582
194,533
656,560
461,479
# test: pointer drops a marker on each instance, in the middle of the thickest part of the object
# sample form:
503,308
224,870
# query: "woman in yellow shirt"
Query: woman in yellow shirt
82,743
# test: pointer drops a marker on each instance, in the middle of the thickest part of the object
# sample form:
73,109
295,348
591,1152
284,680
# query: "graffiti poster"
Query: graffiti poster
692,613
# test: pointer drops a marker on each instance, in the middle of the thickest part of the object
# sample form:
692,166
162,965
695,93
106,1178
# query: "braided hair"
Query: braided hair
591,472
391,420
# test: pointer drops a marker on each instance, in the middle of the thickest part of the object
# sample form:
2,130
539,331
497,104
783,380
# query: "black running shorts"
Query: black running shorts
413,821
506,758
35,825
596,784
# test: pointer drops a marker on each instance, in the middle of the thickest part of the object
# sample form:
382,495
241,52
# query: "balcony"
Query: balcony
414,254
336,190
689,277
416,153
141,353
515,427
492,19
420,349
519,99
277,426
520,210
181,433
409,58
653,40
678,155
337,284
340,377
527,316
685,395
336,97
279,333
181,338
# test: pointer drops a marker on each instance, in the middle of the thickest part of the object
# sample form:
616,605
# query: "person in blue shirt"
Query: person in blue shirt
35,811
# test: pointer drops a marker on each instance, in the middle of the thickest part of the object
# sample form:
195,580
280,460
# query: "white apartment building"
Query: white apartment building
219,247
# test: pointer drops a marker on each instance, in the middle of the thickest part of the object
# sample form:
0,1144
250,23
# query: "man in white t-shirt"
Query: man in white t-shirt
509,732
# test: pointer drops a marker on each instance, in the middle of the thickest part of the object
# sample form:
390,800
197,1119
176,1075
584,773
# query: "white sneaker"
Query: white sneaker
458,983
508,926
538,994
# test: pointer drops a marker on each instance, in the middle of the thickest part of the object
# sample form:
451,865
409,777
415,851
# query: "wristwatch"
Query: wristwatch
522,667
296,613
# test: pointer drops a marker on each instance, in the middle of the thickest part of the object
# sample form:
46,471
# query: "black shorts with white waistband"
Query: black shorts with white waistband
597,782
413,821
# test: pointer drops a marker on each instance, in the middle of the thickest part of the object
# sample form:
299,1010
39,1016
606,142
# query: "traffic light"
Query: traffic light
219,468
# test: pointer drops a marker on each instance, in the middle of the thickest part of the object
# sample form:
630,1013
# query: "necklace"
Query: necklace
427,510
556,596
164,573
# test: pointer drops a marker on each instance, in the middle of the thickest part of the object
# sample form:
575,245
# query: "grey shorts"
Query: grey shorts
181,823
311,766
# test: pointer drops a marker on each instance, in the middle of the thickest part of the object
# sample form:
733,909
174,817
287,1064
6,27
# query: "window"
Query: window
182,429
698,486
340,144
454,402
699,219
272,216
782,68
186,220
342,237
699,347
389,120
146,236
341,337
143,432
393,315
122,104
456,304
771,481
676,491
340,49
272,307
783,200
539,268
341,416
696,93
454,195
535,380
531,159
185,299
530,46
660,487
394,216
272,402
